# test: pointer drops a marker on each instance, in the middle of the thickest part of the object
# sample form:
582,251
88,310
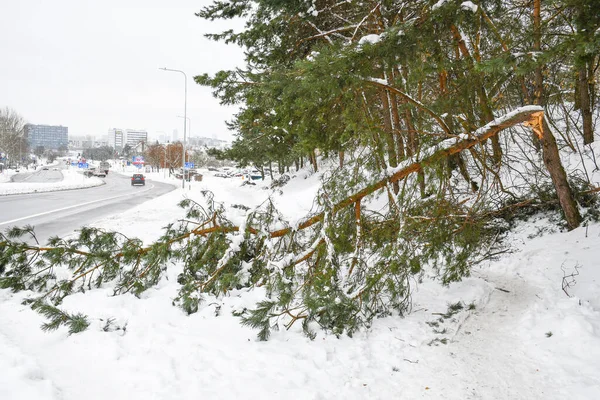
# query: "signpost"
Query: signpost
189,165
83,165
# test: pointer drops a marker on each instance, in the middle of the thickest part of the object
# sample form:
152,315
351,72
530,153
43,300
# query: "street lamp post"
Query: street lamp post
184,123
189,121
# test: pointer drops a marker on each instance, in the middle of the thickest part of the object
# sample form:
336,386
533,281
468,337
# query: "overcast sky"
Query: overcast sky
94,65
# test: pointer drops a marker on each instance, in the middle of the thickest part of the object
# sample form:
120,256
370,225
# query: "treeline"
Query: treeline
398,76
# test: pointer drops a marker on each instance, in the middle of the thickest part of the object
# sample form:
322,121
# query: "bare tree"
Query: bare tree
13,143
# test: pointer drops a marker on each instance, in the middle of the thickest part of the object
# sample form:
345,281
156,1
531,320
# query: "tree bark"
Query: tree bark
389,133
550,153
585,105
559,177
538,84
484,104
313,160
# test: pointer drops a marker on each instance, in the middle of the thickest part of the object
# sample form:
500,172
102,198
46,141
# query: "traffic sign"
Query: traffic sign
83,165
189,165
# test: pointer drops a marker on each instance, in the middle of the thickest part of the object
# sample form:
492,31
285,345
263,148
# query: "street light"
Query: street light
184,123
189,121
189,124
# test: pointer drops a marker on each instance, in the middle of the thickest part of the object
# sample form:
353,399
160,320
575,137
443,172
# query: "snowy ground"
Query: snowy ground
72,179
524,339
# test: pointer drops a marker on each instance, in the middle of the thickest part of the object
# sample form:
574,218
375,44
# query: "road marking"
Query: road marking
68,208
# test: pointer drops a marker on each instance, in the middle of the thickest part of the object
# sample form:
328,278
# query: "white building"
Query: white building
133,137
116,139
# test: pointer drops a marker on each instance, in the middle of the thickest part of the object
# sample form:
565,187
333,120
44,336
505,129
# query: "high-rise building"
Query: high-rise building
116,139
133,137
175,135
48,136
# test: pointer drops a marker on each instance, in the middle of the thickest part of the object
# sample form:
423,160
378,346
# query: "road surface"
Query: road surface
61,213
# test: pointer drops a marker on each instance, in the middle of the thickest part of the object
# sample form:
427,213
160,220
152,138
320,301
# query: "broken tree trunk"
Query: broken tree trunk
531,115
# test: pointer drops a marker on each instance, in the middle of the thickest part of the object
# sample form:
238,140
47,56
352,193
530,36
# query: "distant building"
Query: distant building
116,139
48,136
87,141
133,137
208,142
80,141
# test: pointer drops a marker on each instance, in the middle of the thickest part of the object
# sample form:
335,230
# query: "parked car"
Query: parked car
138,179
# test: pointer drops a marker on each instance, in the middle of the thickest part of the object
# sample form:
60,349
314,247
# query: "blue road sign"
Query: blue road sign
73,164
83,165
189,165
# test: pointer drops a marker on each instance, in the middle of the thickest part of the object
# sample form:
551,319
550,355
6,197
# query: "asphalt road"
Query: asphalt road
62,212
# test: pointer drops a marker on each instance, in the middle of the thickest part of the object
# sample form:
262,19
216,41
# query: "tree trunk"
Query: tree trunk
487,113
400,152
559,177
516,117
413,139
585,105
538,83
313,160
389,134
550,152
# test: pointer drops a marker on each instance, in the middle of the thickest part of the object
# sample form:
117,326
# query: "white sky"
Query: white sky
94,65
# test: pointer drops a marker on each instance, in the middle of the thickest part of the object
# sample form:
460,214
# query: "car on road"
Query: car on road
138,179
105,166
45,169
94,172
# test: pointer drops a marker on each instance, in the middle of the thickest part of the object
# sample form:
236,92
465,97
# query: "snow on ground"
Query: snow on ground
524,338
71,180
6,174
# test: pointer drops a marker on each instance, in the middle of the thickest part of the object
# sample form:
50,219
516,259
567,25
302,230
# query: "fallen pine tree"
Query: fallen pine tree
339,268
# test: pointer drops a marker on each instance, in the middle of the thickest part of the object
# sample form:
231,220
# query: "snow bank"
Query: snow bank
71,180
517,334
